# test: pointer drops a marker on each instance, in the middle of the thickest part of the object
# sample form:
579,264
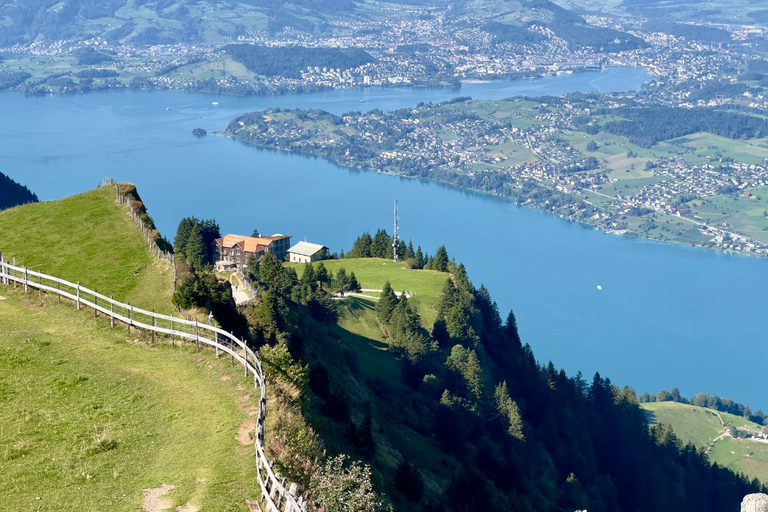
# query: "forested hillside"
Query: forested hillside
13,193
455,413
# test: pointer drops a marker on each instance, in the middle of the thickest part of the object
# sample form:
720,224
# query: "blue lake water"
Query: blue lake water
667,315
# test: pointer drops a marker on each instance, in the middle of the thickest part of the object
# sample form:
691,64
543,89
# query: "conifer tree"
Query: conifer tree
195,251
353,285
386,304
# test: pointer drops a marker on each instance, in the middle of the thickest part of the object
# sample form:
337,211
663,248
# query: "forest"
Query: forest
645,126
511,433
291,61
13,194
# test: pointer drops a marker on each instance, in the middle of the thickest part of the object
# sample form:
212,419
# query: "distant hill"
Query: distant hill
159,22
195,21
13,194
567,25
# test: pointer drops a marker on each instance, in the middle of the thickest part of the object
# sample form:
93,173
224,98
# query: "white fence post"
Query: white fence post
111,310
78,295
26,288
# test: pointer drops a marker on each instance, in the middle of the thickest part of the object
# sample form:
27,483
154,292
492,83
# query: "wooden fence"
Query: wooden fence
277,495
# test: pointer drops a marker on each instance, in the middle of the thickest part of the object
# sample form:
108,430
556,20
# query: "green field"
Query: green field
91,416
701,426
373,273
697,425
91,239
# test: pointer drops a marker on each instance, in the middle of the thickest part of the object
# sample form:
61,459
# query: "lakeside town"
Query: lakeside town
418,46
703,190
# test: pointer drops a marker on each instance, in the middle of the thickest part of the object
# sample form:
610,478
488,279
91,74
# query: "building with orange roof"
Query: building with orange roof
238,248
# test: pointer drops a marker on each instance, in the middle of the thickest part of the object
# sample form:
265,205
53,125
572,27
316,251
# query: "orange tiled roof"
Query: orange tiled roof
248,243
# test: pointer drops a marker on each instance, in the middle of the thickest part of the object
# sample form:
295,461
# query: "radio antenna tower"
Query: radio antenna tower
395,237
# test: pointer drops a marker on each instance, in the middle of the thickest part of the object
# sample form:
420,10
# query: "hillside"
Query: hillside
91,239
160,22
702,426
13,193
94,417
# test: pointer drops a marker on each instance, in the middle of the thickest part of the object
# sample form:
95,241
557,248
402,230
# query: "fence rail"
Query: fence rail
277,494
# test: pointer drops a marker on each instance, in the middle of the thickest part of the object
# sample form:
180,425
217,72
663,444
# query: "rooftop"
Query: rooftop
306,249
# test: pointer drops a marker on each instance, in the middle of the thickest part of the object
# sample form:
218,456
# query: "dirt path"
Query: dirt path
362,294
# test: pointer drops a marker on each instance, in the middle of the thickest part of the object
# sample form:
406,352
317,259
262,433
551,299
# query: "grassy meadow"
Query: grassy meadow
701,426
92,416
373,273
92,239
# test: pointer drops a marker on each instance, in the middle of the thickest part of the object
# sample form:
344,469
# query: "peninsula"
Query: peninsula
688,175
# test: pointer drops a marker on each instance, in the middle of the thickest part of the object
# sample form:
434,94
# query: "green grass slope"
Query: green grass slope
373,273
701,426
92,239
697,425
90,417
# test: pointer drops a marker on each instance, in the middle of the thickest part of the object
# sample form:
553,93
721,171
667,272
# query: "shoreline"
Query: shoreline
630,235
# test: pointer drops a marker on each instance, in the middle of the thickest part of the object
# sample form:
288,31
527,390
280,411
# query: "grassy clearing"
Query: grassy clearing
373,273
91,417
743,456
701,426
697,425
91,239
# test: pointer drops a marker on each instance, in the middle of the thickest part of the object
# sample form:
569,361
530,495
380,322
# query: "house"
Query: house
238,248
305,252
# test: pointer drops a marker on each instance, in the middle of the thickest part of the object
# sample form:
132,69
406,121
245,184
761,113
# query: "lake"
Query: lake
667,316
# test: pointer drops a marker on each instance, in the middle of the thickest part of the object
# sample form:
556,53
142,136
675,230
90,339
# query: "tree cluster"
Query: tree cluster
13,194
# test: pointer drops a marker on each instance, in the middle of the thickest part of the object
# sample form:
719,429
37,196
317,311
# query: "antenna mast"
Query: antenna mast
395,237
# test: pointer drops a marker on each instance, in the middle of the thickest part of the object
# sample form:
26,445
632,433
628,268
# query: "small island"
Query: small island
199,132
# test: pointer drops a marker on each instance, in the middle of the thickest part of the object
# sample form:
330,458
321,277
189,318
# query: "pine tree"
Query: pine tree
182,235
353,286
340,281
441,260
409,253
195,250
509,411
420,259
386,304
361,247
322,274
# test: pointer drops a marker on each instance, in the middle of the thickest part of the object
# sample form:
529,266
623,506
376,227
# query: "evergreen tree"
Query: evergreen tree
195,250
362,247
409,252
323,275
381,247
340,281
421,260
508,410
182,235
353,286
386,304
441,260
440,333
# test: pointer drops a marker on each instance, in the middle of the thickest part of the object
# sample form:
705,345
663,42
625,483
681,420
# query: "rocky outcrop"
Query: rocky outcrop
755,503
